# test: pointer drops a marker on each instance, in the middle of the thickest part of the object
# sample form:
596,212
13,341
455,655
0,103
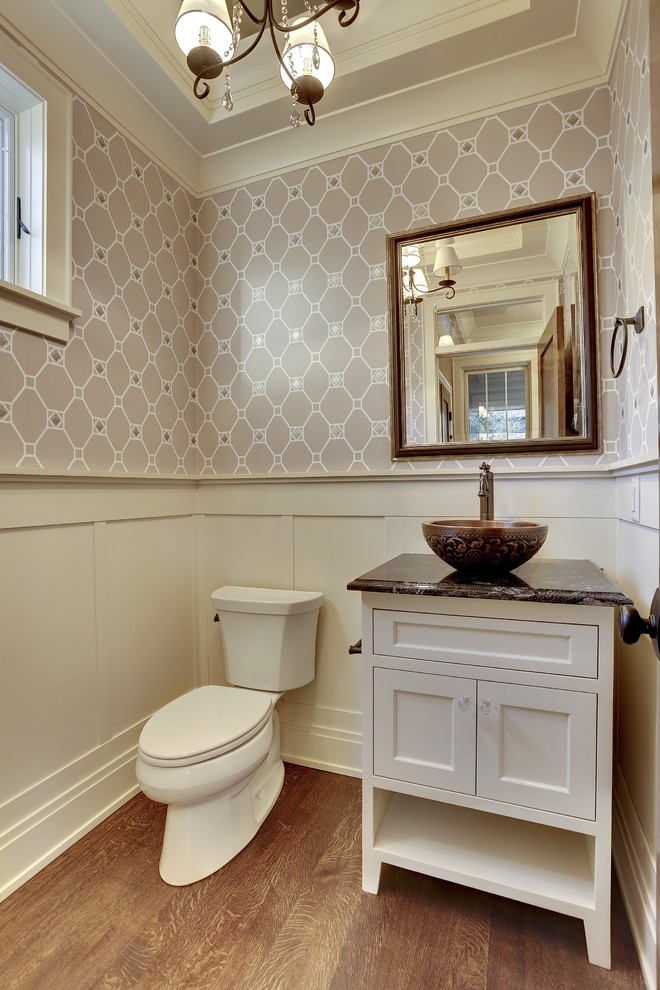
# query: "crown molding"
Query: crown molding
527,78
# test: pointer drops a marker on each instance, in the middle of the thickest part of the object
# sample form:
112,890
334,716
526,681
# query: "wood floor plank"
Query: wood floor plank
419,933
530,947
307,946
288,913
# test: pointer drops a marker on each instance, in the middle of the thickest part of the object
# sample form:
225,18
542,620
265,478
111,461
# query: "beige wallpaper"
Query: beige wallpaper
294,309
120,396
247,333
627,275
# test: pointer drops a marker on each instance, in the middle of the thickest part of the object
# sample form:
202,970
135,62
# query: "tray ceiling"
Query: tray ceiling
402,68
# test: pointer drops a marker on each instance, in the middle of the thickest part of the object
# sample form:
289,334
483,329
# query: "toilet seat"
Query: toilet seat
203,724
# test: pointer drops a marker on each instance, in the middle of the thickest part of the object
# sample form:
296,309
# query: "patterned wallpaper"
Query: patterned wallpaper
627,275
120,396
246,333
294,305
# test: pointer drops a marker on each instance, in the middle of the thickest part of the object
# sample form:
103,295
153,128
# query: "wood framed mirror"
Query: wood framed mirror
493,328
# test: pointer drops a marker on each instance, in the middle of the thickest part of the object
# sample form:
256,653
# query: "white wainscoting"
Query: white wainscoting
97,619
635,864
105,614
636,755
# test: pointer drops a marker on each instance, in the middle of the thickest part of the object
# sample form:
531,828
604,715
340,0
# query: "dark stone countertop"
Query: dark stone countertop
557,582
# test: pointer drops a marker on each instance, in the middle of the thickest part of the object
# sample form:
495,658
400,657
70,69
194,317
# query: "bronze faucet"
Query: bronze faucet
486,492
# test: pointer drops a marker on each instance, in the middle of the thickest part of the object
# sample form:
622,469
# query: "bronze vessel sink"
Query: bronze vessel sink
484,546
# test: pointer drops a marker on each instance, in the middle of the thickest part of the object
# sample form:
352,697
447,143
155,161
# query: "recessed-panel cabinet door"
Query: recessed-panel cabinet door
424,728
537,747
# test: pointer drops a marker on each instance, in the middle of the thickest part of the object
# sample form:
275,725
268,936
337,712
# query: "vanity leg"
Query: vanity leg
370,874
597,933
374,806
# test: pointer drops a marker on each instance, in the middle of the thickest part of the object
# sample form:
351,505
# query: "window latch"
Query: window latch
20,226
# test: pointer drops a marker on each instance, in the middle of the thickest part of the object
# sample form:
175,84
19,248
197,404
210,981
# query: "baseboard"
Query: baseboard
636,871
322,738
41,823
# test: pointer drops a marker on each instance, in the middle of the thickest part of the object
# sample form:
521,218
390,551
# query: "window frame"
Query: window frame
503,370
465,363
48,313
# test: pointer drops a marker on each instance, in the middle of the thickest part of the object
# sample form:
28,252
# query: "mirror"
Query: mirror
493,334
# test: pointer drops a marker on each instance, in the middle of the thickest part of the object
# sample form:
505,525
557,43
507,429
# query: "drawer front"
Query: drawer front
425,729
537,747
514,644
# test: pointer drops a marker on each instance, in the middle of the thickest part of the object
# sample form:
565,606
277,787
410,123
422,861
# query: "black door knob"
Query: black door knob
632,625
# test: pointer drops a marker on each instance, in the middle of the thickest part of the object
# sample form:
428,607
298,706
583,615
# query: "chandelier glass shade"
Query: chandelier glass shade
414,284
306,57
410,256
203,23
209,35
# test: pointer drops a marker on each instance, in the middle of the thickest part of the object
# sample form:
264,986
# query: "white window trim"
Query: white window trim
49,314
465,364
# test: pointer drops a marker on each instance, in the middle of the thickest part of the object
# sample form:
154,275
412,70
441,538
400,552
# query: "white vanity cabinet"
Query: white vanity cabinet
487,747
532,746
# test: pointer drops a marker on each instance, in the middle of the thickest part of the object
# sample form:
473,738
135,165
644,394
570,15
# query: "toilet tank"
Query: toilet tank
269,636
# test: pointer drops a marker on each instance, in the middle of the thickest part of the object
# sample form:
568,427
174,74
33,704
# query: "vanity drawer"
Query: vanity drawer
513,644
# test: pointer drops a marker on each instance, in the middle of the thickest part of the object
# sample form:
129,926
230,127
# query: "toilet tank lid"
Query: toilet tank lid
274,600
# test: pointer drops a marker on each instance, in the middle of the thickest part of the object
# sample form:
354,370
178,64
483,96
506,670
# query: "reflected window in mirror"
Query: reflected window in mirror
493,330
497,405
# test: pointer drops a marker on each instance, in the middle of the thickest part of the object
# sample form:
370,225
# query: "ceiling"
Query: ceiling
402,68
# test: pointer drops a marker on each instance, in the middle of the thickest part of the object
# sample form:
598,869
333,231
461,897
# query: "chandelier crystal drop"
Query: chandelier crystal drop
210,36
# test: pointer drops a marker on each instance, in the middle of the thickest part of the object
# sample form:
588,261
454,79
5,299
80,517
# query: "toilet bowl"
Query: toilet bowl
213,754
216,800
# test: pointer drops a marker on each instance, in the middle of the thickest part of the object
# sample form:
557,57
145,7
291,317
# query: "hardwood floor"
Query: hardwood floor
287,914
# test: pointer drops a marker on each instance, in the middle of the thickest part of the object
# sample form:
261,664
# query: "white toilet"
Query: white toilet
213,755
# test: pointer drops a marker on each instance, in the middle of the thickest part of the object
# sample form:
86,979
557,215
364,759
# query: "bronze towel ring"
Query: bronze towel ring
621,325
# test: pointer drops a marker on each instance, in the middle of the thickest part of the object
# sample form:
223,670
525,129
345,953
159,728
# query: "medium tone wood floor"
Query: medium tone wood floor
287,914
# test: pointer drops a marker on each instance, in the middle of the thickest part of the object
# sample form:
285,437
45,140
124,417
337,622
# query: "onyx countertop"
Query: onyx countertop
557,582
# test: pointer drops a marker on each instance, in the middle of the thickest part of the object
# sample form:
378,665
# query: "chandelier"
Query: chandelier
209,38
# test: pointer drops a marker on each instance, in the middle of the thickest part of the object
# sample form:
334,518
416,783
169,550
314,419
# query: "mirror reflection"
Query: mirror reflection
493,332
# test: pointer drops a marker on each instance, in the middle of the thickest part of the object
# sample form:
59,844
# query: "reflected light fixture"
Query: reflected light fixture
415,285
446,340
410,256
445,267
209,38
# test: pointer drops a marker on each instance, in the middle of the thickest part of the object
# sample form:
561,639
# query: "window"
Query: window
35,128
497,404
22,126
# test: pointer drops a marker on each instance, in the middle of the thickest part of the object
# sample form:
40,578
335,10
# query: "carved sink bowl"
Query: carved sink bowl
484,546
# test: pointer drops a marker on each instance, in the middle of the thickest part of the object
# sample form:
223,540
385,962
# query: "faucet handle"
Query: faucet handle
484,467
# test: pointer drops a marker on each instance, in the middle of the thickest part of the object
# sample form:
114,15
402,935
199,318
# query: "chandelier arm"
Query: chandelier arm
440,288
345,19
330,5
201,94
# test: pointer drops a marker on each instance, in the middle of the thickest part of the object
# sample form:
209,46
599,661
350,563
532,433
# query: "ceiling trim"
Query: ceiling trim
370,125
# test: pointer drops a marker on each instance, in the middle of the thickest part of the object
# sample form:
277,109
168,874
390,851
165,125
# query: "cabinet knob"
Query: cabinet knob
486,708
465,703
